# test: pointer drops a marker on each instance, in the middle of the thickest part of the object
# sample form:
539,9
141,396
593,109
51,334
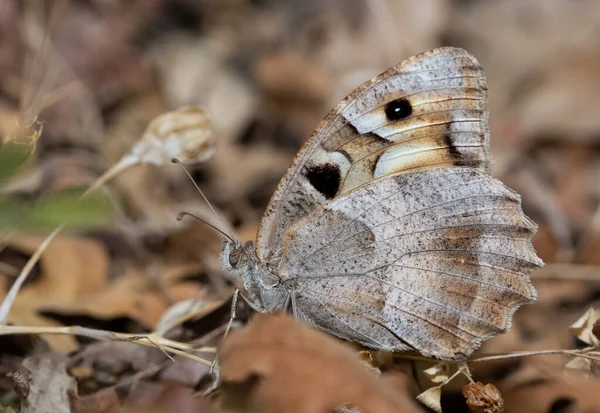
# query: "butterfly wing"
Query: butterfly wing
435,260
388,224
427,112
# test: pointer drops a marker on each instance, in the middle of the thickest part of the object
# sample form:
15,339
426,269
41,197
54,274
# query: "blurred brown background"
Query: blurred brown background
95,72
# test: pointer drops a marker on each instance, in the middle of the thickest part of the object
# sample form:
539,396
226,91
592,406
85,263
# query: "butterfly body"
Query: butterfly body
264,289
388,229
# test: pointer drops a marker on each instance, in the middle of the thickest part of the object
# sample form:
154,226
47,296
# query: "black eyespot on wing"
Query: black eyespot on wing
398,109
325,178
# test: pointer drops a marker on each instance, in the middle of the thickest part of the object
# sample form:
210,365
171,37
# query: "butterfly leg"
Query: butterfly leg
293,300
290,301
232,317
286,303
234,300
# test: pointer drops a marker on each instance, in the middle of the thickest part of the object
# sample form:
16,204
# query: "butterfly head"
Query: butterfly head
240,259
235,255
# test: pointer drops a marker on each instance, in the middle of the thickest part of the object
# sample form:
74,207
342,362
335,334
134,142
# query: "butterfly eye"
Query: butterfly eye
234,257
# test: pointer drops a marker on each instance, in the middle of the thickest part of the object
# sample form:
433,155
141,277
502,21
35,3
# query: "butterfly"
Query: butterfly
388,229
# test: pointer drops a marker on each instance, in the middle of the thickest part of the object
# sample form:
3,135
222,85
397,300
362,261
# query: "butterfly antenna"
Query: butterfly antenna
230,236
183,214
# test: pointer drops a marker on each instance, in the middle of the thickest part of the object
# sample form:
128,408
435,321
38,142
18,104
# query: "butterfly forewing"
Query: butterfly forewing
427,112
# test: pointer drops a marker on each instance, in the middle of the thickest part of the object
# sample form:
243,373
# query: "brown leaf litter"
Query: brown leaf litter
278,364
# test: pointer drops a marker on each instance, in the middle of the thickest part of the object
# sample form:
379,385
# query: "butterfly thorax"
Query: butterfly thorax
264,290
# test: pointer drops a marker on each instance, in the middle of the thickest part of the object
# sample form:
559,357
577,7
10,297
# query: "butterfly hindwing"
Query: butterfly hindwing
427,112
435,260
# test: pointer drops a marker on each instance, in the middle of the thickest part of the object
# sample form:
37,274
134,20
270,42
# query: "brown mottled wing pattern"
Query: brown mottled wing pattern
388,227
426,112
435,260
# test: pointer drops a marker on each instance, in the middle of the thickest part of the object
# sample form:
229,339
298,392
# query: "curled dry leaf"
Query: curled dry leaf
483,398
583,328
438,373
277,364
432,398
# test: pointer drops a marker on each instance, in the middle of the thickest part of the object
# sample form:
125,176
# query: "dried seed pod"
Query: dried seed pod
432,398
583,328
184,134
438,373
483,398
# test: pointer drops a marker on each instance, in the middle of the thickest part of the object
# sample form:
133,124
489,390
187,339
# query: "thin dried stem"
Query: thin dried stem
516,355
148,340
14,290
589,353
125,163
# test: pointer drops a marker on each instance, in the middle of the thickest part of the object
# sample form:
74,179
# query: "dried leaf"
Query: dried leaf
157,397
70,269
367,359
581,364
134,296
582,328
182,311
438,373
103,401
483,398
432,398
575,392
73,279
277,364
49,384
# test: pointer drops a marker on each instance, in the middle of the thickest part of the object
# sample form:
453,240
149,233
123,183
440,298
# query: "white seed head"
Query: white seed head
184,134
